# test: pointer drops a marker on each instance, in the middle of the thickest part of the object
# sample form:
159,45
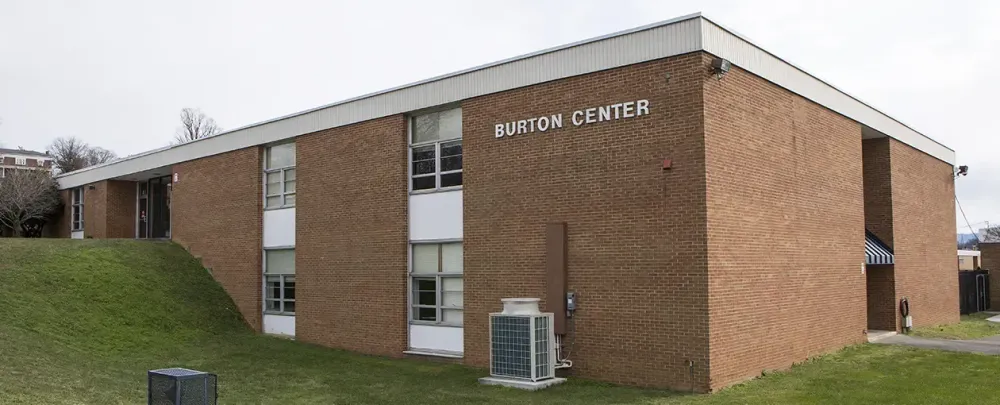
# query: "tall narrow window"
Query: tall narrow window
77,210
279,175
279,281
436,150
436,283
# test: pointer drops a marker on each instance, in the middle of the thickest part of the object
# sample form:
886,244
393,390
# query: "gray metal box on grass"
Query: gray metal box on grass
180,386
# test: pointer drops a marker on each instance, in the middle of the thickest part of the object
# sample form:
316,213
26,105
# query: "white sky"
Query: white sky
117,72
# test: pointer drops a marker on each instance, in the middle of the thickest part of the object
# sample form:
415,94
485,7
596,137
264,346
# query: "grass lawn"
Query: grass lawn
82,321
972,326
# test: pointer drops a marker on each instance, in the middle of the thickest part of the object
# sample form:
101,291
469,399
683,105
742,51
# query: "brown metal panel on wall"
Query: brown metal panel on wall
555,274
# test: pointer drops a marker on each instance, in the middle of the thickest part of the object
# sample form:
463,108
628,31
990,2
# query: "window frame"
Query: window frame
437,156
281,284
438,278
282,172
20,161
76,210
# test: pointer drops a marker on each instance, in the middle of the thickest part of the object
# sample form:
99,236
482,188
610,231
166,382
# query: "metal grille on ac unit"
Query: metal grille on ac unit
522,343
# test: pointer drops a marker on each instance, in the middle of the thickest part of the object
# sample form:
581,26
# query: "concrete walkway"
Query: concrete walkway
989,345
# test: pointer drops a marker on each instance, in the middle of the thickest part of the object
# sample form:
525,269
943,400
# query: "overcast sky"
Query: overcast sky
116,73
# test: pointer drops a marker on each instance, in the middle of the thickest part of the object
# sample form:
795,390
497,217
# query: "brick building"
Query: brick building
712,222
23,159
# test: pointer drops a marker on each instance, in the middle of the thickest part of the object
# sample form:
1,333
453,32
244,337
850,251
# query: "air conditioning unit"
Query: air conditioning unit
522,342
180,386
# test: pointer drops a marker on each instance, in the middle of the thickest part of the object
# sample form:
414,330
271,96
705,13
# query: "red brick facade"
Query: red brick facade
636,232
785,228
216,214
745,255
909,205
351,237
991,261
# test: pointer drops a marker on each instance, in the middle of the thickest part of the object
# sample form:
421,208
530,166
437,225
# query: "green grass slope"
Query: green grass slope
82,321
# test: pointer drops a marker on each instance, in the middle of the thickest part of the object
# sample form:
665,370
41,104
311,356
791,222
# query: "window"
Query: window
77,200
20,161
279,174
436,283
279,281
436,150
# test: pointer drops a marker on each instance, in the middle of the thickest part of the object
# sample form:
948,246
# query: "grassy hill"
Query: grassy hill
82,321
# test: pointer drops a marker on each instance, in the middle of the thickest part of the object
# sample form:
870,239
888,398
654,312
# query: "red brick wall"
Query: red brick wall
878,188
991,261
121,201
785,227
923,204
351,237
636,233
216,215
95,210
881,287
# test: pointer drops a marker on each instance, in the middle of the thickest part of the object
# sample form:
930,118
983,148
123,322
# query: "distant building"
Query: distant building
23,159
968,259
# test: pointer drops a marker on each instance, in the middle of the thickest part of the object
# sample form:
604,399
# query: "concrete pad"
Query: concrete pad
521,384
876,335
994,319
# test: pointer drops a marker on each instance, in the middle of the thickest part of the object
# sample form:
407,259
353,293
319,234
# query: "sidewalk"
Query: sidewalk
989,345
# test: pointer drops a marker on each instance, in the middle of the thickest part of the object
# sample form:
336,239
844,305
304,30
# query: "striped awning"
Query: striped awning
876,252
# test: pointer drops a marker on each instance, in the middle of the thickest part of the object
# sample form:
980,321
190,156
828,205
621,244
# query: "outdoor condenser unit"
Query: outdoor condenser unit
522,342
180,386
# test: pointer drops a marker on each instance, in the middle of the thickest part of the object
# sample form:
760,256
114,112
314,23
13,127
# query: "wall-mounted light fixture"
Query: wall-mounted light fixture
720,67
962,171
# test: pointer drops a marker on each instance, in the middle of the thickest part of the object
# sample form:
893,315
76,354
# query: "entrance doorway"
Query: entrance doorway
154,208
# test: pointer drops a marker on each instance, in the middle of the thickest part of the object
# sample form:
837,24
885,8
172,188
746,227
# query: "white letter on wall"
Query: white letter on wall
499,130
642,108
577,114
557,121
627,109
543,123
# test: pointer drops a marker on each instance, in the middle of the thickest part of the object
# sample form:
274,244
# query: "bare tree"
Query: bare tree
195,125
990,234
98,155
27,196
69,154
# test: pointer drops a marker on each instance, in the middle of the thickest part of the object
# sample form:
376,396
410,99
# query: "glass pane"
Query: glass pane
451,163
423,160
425,128
273,188
290,199
451,299
452,316
451,258
451,179
452,284
424,285
270,305
289,288
272,288
273,201
424,183
450,124
426,298
453,148
289,306
423,167
425,258
281,156
280,261
289,174
274,177
425,314
290,186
